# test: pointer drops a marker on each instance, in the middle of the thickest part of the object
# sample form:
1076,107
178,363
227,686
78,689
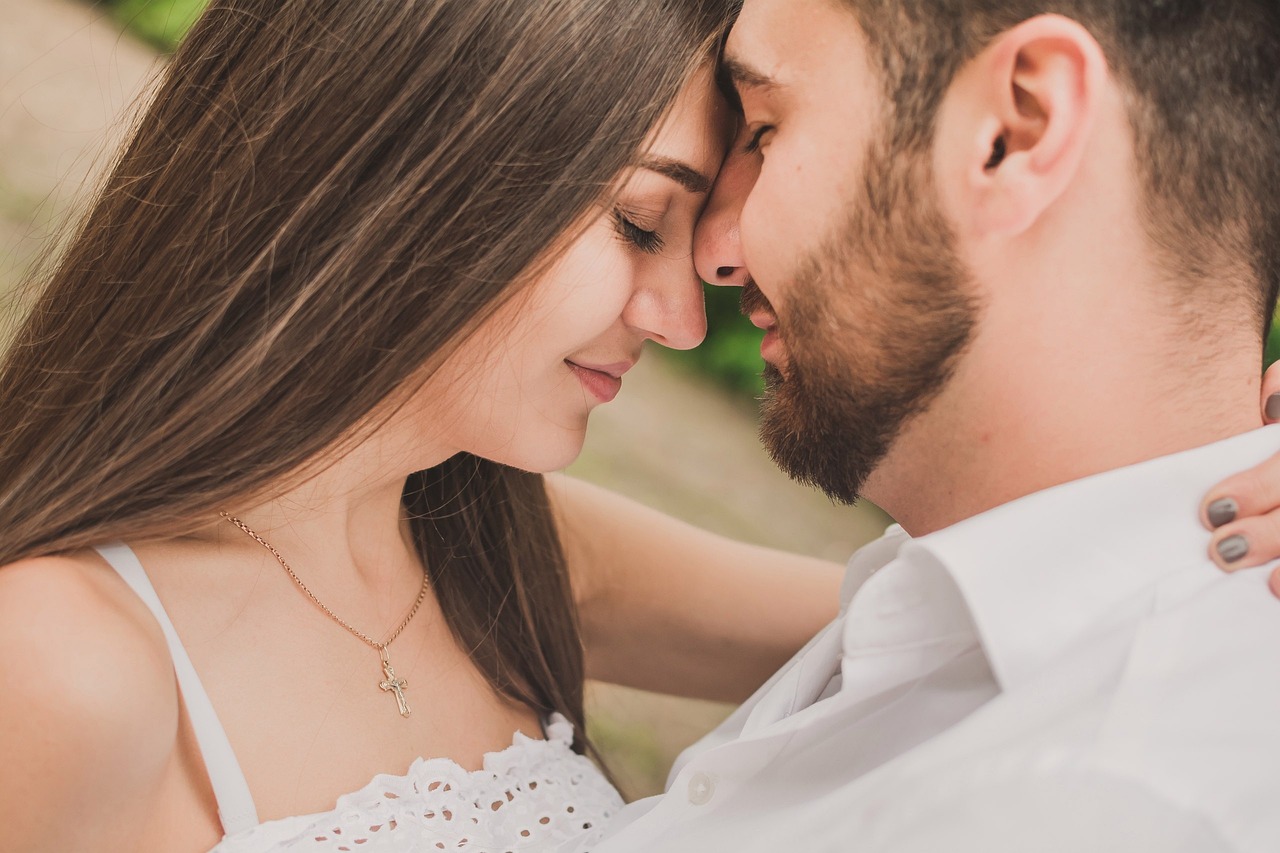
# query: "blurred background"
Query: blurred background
682,438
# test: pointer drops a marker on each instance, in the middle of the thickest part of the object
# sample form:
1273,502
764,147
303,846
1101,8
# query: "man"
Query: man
975,234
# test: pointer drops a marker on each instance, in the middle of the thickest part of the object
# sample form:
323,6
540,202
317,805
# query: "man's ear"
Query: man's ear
1016,123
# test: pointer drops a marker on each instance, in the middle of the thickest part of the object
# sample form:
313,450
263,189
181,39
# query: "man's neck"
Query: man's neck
1061,413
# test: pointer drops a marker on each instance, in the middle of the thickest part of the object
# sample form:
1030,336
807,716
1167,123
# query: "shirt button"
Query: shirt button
702,787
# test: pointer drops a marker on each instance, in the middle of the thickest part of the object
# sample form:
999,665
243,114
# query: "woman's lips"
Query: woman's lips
602,381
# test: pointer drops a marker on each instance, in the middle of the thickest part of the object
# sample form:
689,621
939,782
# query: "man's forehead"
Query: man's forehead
772,40
749,47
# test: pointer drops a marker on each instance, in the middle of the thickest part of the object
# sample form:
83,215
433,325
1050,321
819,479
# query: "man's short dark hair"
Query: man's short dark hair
1202,80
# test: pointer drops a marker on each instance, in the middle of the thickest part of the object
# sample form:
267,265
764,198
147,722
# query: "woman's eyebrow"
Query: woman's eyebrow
682,173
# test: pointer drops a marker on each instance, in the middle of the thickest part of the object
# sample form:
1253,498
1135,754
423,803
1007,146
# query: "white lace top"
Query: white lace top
535,795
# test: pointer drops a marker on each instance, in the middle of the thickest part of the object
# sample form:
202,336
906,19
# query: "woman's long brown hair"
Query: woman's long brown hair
324,198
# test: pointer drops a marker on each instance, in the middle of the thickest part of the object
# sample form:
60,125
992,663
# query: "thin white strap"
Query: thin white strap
235,803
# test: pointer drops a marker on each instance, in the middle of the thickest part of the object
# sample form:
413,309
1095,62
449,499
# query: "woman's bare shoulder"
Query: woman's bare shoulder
88,699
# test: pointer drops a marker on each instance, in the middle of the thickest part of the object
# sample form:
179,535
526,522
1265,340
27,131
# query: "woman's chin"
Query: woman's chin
555,453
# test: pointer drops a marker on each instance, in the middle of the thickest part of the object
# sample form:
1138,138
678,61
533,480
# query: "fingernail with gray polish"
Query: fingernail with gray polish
1273,407
1233,548
1223,511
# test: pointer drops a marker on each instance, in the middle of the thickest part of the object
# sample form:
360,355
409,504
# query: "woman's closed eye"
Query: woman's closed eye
649,242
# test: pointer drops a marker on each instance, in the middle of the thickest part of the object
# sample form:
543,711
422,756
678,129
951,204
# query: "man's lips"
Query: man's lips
603,381
763,320
772,340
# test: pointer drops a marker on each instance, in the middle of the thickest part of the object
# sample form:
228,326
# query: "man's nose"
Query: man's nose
717,246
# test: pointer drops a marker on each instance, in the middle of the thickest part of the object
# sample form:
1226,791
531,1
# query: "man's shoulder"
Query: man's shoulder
1198,702
1174,712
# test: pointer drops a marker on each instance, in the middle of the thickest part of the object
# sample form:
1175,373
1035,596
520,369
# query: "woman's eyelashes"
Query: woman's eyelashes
649,242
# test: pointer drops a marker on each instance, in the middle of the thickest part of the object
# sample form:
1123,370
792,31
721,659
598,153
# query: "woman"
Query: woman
350,268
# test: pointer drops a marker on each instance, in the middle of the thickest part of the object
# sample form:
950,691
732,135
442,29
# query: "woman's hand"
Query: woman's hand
1243,511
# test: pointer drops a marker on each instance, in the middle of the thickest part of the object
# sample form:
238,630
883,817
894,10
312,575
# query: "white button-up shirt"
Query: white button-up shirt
1067,672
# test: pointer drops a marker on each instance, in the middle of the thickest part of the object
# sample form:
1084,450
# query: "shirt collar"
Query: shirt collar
1038,573
868,560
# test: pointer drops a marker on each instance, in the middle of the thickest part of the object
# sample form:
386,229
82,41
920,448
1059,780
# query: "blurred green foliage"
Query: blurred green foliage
163,23
1272,353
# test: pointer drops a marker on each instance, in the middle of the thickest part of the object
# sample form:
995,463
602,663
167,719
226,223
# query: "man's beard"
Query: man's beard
874,325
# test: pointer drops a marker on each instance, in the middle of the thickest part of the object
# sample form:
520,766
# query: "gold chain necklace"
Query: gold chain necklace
389,682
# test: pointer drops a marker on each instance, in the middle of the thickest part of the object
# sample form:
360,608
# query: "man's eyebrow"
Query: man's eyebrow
742,75
682,173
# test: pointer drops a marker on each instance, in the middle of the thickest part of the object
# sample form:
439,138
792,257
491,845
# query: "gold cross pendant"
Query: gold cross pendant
391,684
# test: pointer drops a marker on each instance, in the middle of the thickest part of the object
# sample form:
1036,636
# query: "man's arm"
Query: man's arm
668,607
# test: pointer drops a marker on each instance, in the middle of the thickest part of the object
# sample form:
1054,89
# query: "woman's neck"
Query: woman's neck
344,527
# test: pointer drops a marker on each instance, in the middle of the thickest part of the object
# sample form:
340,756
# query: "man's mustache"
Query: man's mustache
753,300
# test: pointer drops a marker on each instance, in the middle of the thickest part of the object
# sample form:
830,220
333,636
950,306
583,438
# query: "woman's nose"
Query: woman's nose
673,312
717,247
